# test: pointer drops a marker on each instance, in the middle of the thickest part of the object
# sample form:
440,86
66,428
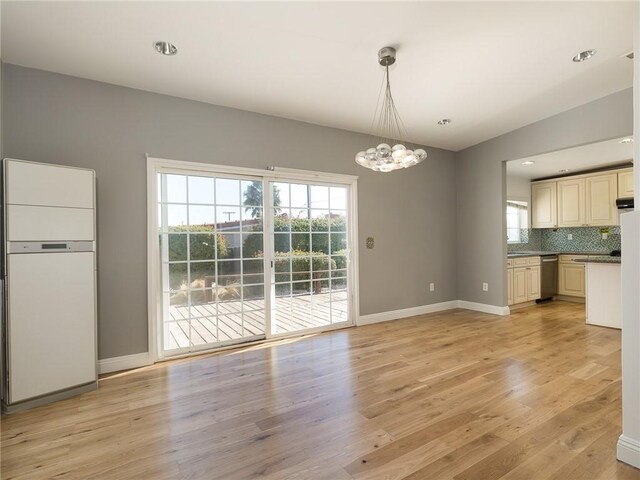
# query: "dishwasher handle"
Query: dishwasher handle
549,259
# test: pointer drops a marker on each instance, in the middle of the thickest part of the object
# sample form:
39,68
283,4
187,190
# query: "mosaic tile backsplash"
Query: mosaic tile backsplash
585,239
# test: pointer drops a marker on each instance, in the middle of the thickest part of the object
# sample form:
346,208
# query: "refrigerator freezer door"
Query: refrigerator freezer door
51,323
32,223
48,185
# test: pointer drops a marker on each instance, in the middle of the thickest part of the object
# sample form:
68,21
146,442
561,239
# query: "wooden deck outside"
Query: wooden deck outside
237,319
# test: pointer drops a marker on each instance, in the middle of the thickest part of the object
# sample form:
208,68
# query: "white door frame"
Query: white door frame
160,165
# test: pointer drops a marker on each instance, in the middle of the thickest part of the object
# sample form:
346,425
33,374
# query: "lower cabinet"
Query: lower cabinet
523,280
519,285
533,283
571,279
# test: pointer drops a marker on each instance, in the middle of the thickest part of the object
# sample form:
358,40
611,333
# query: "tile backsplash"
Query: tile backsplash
531,238
585,239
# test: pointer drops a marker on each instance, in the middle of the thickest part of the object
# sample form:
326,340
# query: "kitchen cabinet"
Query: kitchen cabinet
625,183
581,200
523,280
571,278
519,285
533,282
571,203
601,193
544,208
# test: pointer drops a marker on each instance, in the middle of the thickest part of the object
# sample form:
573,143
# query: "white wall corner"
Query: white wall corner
406,312
484,308
628,451
125,362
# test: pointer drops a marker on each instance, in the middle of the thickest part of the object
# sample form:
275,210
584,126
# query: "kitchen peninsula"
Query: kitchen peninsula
603,296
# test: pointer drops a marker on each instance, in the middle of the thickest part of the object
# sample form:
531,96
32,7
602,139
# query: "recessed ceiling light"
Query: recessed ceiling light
444,121
528,162
165,48
565,170
582,56
626,140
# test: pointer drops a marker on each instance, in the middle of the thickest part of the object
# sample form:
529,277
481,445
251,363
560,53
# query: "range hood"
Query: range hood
625,203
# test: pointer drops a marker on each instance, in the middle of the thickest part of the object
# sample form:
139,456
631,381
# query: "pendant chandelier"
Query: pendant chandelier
388,129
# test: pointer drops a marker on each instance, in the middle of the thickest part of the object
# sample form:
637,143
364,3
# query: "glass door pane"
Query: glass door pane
211,246
310,249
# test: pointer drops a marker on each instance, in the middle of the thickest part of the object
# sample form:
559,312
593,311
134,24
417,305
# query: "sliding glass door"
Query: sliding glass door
212,262
216,285
310,250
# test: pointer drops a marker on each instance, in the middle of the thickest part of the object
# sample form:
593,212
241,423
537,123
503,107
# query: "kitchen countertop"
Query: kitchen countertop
600,259
535,253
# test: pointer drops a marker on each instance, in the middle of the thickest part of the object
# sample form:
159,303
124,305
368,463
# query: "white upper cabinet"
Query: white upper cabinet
602,191
571,203
625,183
48,185
544,205
581,200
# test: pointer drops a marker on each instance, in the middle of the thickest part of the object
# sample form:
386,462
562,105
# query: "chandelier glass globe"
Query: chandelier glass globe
384,157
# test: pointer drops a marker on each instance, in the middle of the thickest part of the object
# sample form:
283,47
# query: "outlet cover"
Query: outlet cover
432,287
605,236
570,236
485,287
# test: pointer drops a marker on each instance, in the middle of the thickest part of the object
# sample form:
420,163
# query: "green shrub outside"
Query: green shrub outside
304,260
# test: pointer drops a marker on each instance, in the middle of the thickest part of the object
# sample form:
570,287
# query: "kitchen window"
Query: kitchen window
517,221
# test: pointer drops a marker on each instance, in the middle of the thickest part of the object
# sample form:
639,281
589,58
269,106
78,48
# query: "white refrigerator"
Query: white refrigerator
49,321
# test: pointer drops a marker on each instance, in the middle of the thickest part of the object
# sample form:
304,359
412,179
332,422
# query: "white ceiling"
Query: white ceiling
586,157
490,66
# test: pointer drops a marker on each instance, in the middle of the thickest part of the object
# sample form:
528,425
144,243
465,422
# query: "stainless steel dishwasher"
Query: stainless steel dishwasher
548,276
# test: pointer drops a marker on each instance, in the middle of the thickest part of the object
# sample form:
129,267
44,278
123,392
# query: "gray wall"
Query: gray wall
518,188
481,185
71,121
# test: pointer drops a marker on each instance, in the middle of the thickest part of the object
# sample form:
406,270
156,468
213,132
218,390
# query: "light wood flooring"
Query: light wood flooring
454,395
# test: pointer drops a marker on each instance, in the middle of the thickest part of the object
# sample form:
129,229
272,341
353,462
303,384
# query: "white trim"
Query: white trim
152,263
272,173
297,174
160,165
406,312
353,269
629,451
125,362
432,308
483,307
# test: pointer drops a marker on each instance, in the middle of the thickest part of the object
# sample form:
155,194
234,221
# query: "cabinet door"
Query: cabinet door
571,280
625,183
571,203
544,205
519,285
602,191
510,286
533,283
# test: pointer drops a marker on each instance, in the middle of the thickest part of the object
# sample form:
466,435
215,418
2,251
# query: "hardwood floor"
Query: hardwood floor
455,395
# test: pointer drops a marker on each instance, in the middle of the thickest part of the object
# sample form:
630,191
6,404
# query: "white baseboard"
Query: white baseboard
482,307
125,362
434,307
406,312
629,451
